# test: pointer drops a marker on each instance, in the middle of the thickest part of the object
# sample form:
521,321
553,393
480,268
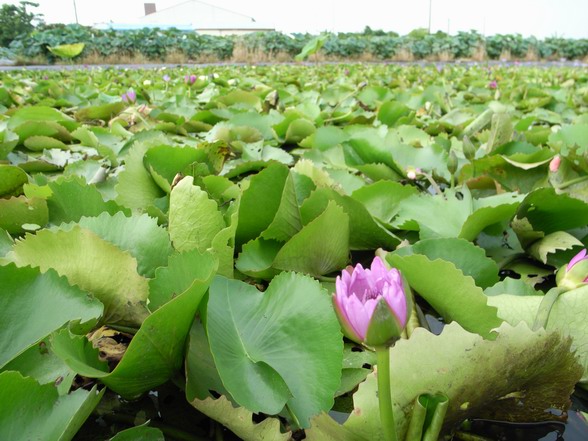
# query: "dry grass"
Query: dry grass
532,55
505,55
403,55
243,55
479,53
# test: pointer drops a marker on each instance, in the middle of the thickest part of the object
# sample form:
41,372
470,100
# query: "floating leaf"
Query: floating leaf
11,180
34,304
452,294
321,247
194,218
19,214
240,421
471,372
159,344
93,264
29,410
67,50
264,372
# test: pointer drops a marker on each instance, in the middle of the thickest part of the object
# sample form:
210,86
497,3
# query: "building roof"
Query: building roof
196,15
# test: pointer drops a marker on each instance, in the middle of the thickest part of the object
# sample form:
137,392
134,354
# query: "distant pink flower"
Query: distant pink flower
129,97
166,78
190,79
554,164
493,84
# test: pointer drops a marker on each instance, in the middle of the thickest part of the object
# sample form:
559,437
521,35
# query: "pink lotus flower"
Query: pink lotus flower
577,259
190,79
129,97
554,164
166,78
575,273
371,303
493,84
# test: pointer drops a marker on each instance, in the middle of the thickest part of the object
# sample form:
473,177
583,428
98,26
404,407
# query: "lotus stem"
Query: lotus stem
384,395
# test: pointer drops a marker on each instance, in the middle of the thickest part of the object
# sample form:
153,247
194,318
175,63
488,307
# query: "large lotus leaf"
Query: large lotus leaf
93,264
312,47
30,411
391,112
452,294
40,143
42,128
241,99
240,421
523,155
570,137
364,232
194,218
6,242
370,147
34,304
20,214
165,162
550,212
513,378
8,141
185,271
280,347
489,211
11,180
142,433
257,257
40,362
260,202
287,221
156,351
136,188
324,138
67,50
321,247
325,428
298,130
36,114
467,257
552,243
462,216
382,198
138,234
567,316
426,211
71,198
202,378
103,112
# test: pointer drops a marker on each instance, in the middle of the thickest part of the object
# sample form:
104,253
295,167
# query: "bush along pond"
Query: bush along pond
338,252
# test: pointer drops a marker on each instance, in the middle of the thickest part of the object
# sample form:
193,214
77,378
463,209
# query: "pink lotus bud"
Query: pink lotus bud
493,84
130,97
190,79
575,273
554,164
371,304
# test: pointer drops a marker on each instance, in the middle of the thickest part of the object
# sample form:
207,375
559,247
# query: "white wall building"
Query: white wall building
201,17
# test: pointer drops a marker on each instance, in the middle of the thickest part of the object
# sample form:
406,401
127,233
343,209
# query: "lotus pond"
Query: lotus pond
170,242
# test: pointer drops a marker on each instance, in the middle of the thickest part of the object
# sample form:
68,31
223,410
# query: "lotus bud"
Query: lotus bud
575,273
372,304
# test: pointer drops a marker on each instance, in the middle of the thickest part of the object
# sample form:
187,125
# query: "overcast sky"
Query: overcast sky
542,18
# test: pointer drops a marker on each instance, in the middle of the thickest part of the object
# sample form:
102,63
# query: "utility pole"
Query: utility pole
430,9
76,11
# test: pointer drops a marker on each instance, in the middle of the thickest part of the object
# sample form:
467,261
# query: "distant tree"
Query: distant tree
15,21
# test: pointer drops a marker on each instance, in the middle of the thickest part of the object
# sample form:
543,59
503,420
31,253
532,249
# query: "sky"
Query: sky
541,18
